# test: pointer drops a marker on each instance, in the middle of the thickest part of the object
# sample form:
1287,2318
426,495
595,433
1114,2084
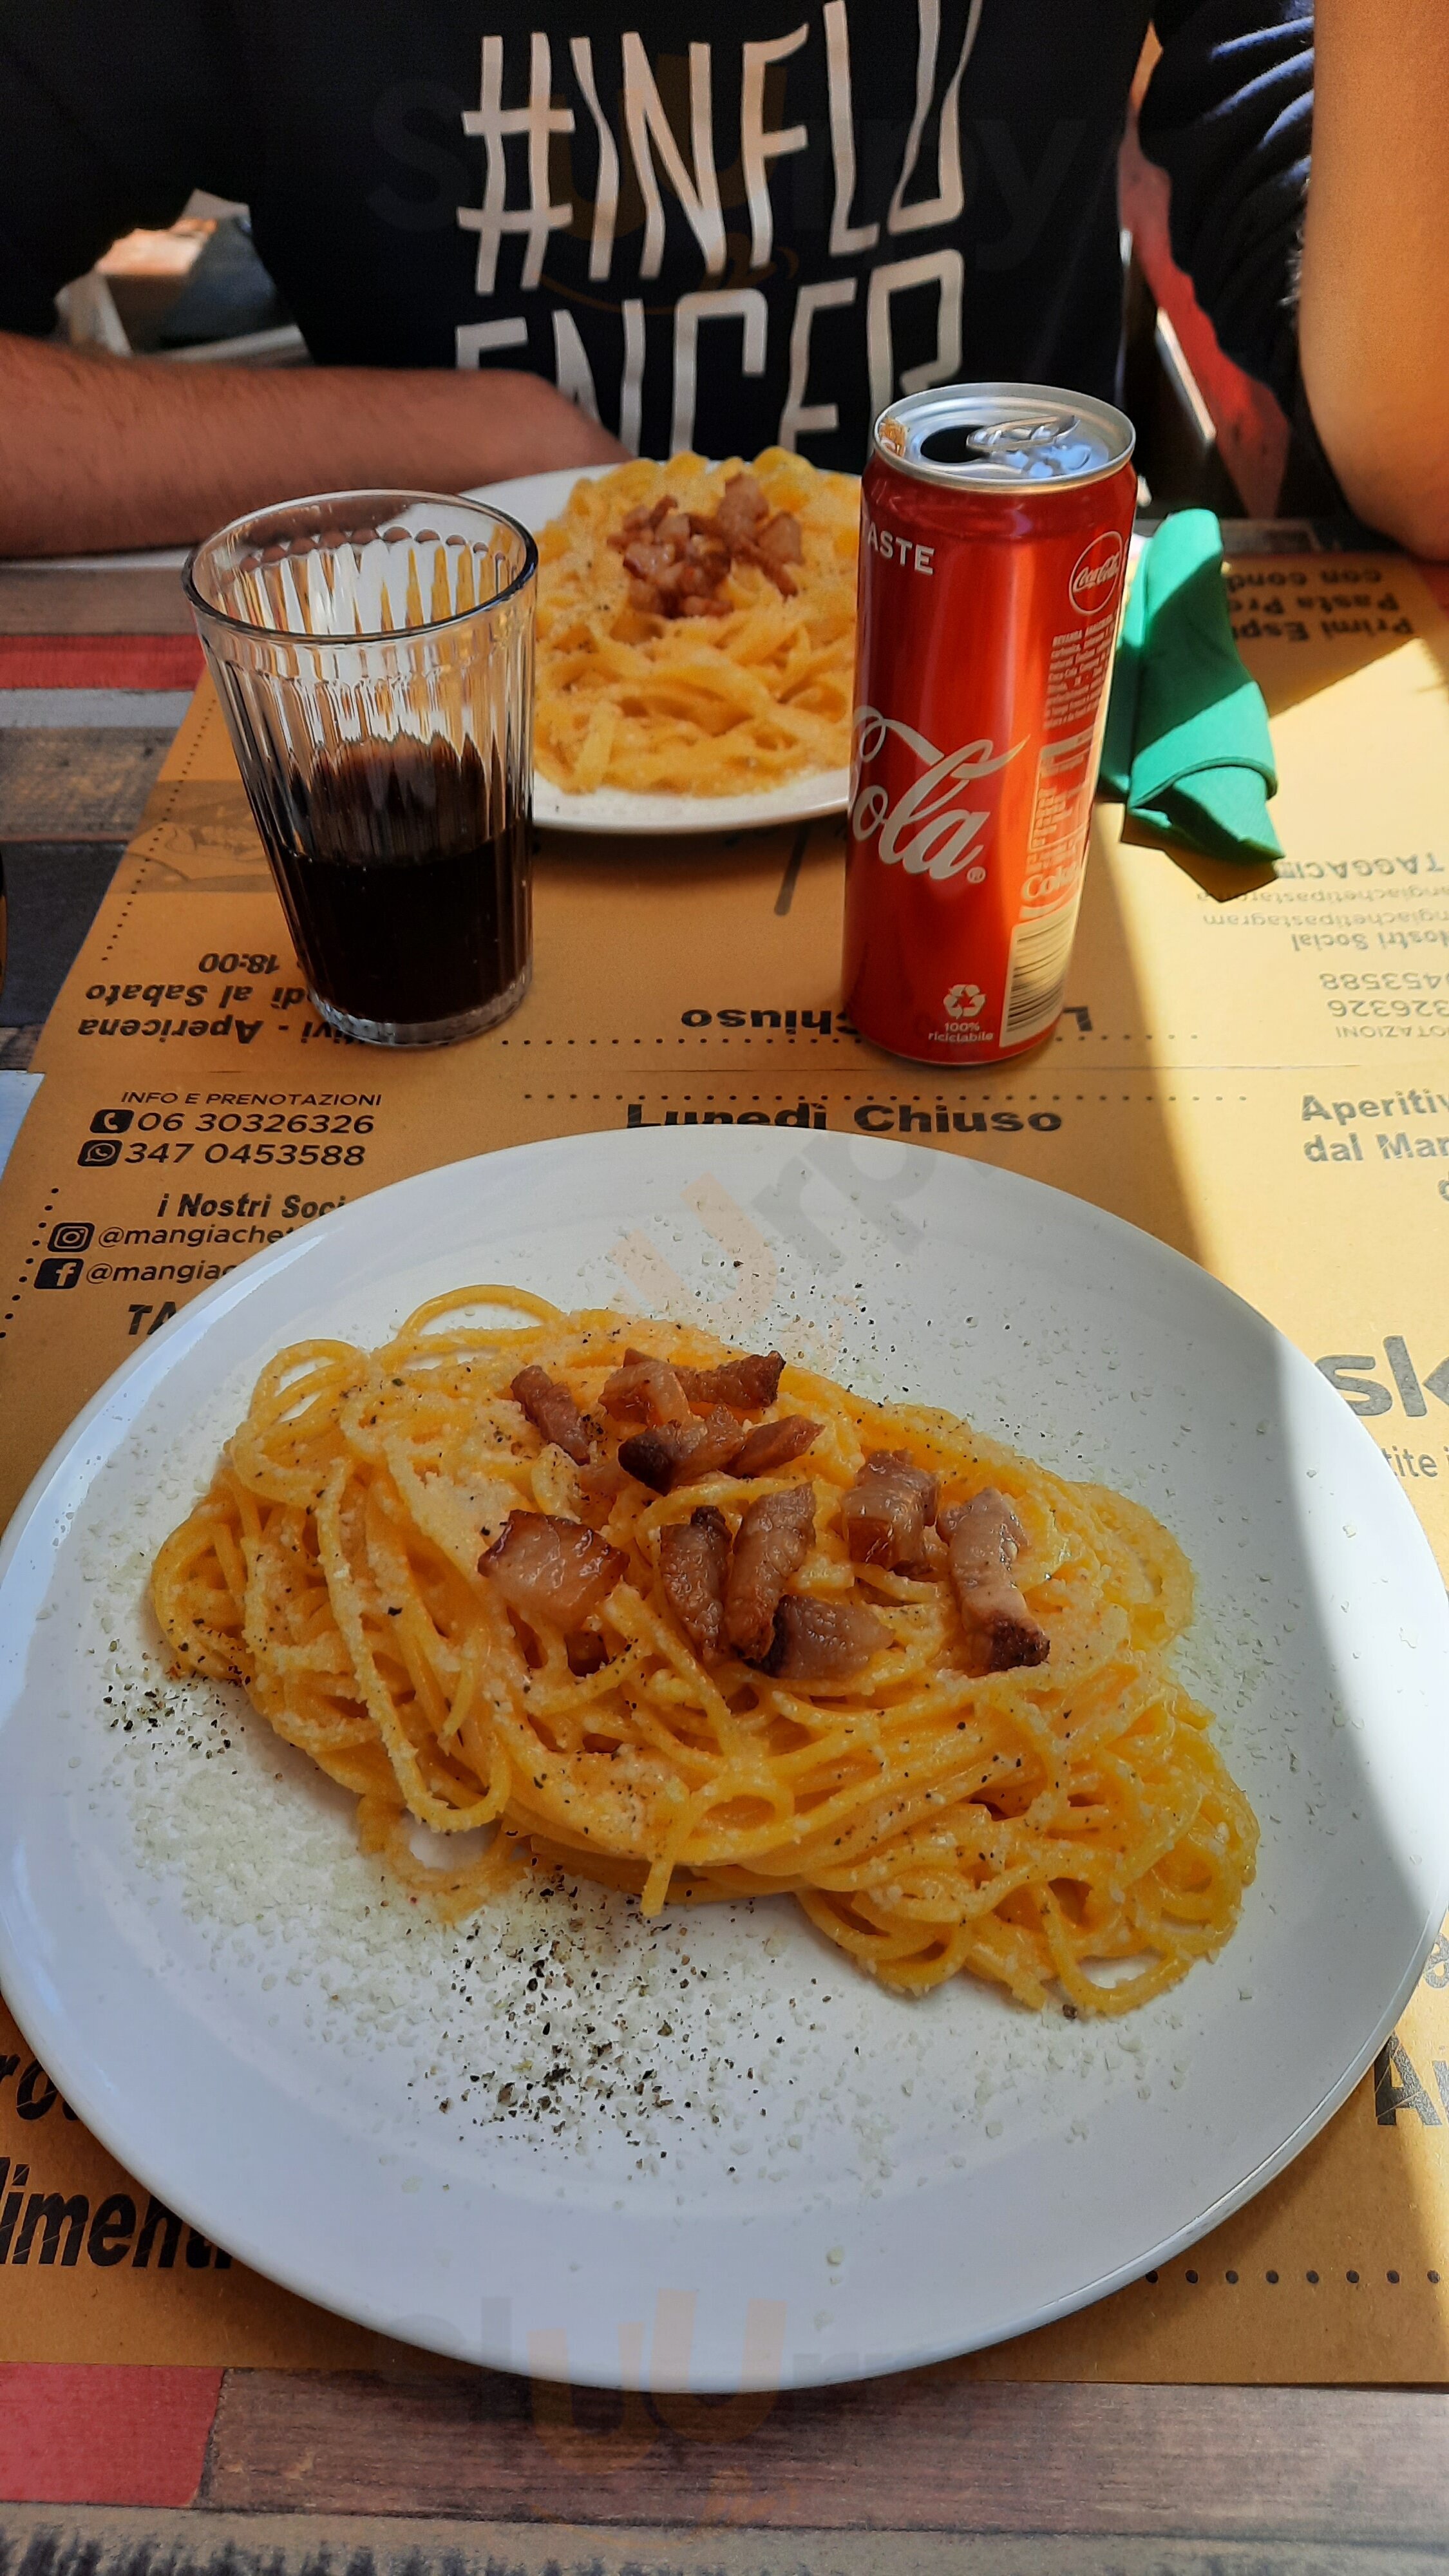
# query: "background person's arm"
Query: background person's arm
101,453
1228,114
1374,297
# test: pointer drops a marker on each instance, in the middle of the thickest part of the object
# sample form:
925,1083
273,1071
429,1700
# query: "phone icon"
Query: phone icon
71,1238
111,1122
59,1274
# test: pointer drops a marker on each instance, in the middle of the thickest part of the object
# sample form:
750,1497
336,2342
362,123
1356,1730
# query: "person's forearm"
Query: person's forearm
99,453
1374,306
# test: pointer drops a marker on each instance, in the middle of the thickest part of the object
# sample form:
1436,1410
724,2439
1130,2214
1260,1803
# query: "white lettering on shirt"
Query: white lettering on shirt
574,376
947,270
802,419
517,143
647,124
471,339
846,238
571,370
606,188
760,145
945,207
494,122
631,390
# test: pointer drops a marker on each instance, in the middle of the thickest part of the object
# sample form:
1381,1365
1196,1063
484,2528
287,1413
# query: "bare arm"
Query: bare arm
100,453
1374,308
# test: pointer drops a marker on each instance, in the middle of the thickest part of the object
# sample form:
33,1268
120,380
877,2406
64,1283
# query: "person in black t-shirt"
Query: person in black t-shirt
538,235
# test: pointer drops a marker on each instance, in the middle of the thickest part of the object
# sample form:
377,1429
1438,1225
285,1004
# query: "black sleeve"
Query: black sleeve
109,116
1229,116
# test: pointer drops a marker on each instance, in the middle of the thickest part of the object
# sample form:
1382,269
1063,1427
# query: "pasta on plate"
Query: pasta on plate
714,660
698,1625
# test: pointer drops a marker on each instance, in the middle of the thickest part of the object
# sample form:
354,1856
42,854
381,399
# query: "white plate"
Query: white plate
535,499
821,2178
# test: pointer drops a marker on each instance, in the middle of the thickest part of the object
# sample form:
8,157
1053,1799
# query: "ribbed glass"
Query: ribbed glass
373,653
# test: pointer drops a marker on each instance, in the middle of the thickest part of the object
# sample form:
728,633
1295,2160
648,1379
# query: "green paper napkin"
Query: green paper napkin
1187,745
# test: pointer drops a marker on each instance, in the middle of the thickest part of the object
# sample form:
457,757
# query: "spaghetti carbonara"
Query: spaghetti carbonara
696,627
698,1625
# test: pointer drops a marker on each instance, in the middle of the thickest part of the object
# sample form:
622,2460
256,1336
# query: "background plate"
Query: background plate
535,499
708,2149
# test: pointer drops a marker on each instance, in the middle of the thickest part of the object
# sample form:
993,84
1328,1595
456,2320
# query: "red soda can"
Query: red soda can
995,522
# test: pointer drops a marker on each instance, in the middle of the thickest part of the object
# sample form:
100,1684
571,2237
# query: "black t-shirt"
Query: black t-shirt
712,222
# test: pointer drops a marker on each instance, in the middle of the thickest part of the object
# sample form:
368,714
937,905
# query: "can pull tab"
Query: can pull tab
1023,433
964,441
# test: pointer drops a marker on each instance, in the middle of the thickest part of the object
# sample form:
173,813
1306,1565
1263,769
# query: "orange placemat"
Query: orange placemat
1255,1069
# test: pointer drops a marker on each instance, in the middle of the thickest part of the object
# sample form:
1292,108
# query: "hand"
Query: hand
524,420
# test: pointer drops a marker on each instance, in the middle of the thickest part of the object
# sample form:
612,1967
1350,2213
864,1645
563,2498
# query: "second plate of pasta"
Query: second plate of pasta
717,722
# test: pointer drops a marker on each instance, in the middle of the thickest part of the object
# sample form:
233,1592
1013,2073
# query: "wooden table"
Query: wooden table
124,2467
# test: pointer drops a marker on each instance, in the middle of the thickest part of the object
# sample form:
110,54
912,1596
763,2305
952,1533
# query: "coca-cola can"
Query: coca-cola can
995,522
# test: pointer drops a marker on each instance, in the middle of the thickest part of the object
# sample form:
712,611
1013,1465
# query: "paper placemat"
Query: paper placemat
1256,1069
1342,961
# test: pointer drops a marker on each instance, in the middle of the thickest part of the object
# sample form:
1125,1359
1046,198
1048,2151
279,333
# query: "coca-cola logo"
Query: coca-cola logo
1094,574
935,827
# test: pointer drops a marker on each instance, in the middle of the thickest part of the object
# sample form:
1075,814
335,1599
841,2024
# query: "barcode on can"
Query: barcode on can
1036,980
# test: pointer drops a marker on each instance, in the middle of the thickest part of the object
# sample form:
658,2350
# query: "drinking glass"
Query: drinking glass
373,653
